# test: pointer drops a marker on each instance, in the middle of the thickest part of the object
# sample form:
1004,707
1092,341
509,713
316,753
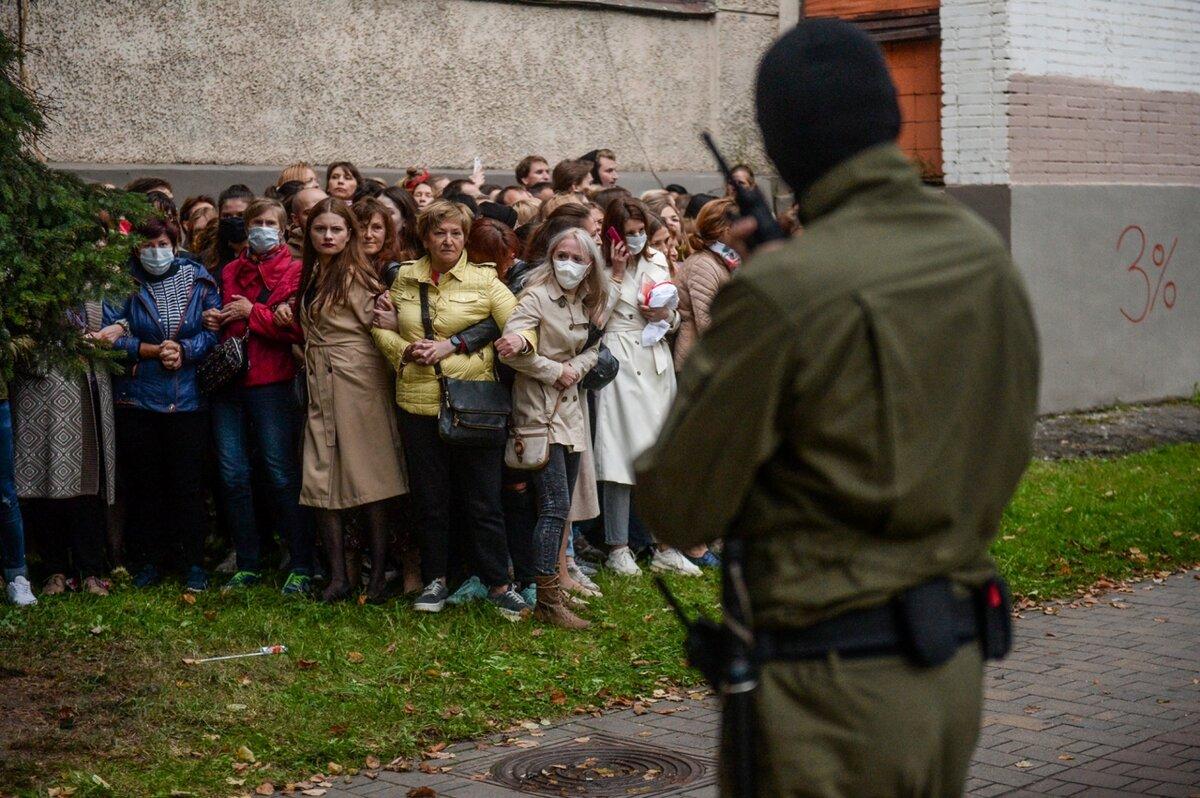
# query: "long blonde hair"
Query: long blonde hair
329,285
594,288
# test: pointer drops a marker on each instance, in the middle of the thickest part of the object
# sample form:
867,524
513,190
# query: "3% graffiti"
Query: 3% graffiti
1160,257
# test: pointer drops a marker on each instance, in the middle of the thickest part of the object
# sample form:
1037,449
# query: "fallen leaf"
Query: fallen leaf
306,664
96,630
234,782
537,632
639,708
266,788
391,649
583,739
210,615
421,792
313,791
240,767
1065,757
372,762
235,708
244,754
355,656
334,768
558,697
188,598
337,728
1024,764
101,782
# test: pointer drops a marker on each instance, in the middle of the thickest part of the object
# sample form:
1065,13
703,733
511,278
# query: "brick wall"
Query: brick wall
1071,91
916,71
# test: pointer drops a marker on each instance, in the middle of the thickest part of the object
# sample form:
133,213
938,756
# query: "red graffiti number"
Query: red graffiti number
1155,289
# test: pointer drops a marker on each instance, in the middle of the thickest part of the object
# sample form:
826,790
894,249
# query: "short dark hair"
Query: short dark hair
455,186
605,196
526,166
505,190
164,205
463,199
286,191
349,167
594,157
675,188
236,191
143,185
567,173
155,227
539,187
189,204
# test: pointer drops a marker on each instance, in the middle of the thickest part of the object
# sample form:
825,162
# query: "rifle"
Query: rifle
722,652
750,201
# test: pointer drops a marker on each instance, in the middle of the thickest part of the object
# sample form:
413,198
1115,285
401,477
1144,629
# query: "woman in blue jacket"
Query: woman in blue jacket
161,416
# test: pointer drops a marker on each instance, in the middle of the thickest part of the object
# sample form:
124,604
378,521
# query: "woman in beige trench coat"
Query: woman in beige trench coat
351,444
561,300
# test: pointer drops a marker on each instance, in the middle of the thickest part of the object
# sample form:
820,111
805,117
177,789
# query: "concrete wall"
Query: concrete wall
1110,334
392,83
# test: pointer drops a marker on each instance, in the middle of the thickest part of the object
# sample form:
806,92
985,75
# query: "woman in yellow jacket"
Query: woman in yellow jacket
460,294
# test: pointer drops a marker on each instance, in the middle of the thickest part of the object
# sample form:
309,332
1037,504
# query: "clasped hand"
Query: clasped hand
170,354
427,352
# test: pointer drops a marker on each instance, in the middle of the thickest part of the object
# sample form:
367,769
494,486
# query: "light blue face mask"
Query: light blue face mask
636,243
263,239
156,260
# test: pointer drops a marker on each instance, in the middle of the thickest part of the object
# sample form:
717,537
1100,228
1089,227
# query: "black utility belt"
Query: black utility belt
927,624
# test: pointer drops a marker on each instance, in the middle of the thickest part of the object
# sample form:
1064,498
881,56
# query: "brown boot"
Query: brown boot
550,608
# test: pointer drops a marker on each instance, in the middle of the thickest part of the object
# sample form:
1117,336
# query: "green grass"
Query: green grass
146,724
1074,522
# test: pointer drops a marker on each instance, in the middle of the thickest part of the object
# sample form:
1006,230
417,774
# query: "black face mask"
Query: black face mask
232,230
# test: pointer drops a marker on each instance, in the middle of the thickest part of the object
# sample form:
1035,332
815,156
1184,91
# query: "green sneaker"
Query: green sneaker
242,579
468,591
297,584
529,593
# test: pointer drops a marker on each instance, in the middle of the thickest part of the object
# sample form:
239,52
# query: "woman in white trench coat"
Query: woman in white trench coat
631,410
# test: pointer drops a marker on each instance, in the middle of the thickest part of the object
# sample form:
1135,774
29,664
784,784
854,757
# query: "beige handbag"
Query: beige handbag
528,448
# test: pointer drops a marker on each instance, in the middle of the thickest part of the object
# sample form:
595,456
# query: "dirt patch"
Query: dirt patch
1117,431
53,715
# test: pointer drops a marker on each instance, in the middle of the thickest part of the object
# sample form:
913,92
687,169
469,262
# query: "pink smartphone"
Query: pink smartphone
614,236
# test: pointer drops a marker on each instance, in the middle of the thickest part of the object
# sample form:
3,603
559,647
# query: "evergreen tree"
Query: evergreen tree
59,243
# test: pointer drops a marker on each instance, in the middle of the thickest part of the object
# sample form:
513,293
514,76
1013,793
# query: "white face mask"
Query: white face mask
156,260
570,273
636,243
263,239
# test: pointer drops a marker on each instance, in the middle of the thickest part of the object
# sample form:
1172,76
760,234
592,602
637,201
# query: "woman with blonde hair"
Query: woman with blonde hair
300,171
434,300
561,299
351,444
528,210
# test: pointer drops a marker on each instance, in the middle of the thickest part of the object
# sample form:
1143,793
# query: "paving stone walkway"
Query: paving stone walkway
1095,701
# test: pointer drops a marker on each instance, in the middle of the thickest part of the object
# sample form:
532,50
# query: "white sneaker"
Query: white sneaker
621,561
20,592
671,561
586,585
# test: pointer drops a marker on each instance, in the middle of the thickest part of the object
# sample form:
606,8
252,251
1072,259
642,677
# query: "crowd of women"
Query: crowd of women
437,387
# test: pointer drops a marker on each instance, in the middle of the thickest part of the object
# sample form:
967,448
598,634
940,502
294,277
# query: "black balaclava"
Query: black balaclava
823,94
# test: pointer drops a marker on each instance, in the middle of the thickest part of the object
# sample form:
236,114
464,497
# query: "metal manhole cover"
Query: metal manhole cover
604,766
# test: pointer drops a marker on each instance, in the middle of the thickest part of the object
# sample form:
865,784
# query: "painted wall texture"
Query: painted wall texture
392,82
1113,272
1071,91
1074,122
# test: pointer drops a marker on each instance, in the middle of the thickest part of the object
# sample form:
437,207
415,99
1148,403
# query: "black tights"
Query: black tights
331,525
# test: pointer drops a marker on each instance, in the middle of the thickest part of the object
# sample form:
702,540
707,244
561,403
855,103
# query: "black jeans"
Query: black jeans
520,520
553,485
69,534
162,456
439,475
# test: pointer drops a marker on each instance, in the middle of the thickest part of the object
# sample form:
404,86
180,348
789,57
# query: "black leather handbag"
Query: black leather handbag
226,363
606,368
229,360
473,412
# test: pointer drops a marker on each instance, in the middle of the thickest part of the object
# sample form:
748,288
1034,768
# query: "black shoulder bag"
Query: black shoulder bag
607,365
473,412
229,360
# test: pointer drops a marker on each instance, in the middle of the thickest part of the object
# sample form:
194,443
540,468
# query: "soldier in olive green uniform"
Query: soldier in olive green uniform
859,414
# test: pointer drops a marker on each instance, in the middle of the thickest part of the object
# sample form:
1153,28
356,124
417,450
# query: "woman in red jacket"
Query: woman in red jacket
258,411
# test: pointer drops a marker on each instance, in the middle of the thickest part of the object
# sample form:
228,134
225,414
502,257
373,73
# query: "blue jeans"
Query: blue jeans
12,530
267,414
